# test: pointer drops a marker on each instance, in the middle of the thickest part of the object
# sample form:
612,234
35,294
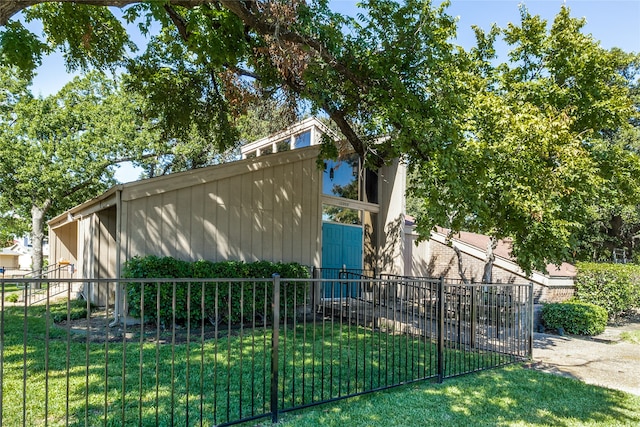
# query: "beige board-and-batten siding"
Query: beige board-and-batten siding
260,209
268,208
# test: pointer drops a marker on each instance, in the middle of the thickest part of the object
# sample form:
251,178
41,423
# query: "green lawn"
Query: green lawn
196,375
224,376
511,396
10,287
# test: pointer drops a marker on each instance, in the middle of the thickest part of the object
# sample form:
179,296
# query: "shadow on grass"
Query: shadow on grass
507,396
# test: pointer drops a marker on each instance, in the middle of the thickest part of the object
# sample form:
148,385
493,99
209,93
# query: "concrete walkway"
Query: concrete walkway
603,360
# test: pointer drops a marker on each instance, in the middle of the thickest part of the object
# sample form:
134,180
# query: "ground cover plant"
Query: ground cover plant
176,383
631,336
159,376
509,396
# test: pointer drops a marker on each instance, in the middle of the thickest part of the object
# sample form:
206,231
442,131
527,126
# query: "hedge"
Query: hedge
615,287
575,317
228,296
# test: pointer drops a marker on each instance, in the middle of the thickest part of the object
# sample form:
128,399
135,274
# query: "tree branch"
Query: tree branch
8,8
178,21
242,72
251,19
460,266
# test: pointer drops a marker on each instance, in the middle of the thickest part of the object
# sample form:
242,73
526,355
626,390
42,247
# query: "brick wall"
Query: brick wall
434,259
444,262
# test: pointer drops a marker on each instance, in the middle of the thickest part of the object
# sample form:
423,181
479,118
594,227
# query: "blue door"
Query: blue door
341,247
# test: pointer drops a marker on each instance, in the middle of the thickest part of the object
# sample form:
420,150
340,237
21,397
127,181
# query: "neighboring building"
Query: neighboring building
436,257
9,259
17,257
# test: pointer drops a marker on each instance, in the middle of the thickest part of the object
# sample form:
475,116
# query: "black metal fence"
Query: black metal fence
221,351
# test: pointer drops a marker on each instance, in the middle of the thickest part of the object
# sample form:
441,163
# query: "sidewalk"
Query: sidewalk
603,360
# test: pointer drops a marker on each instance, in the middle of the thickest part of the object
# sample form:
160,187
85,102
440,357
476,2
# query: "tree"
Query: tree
61,150
531,158
513,150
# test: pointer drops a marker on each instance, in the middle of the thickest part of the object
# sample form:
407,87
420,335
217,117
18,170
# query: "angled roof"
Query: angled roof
9,252
503,250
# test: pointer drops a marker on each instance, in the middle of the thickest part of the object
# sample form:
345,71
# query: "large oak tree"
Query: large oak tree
59,151
519,149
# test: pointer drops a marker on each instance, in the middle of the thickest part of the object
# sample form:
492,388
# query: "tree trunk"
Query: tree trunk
460,267
37,236
487,276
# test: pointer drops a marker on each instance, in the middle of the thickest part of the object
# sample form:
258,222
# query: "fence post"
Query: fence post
472,338
275,338
441,306
530,307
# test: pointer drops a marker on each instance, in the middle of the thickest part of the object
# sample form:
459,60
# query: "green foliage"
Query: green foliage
530,148
232,301
21,47
580,318
531,156
89,37
59,151
615,287
12,297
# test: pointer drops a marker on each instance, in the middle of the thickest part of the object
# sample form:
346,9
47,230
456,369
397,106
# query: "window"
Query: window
284,145
250,155
340,178
341,214
268,149
302,140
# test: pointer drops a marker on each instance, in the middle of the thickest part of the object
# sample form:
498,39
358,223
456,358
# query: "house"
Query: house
9,259
275,204
17,257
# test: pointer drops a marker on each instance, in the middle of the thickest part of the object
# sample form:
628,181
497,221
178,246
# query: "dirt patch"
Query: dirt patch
99,328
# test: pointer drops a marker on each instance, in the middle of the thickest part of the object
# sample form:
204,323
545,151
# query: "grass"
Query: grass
10,292
10,287
224,378
509,396
631,336
227,378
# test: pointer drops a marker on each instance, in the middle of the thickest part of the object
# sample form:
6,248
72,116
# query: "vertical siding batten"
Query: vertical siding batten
197,231
287,212
297,198
224,221
211,238
184,218
257,213
245,223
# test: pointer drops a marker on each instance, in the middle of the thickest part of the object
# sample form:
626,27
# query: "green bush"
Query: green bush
575,317
12,297
615,287
236,301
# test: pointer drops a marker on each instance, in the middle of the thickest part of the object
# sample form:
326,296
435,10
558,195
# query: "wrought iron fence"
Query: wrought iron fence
223,351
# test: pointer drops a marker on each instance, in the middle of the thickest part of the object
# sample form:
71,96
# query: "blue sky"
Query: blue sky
616,23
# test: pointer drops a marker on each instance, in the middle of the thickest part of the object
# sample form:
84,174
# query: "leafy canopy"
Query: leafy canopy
520,149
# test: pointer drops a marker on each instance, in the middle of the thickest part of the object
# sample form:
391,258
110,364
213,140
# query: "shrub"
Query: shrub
12,297
575,317
234,300
615,287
